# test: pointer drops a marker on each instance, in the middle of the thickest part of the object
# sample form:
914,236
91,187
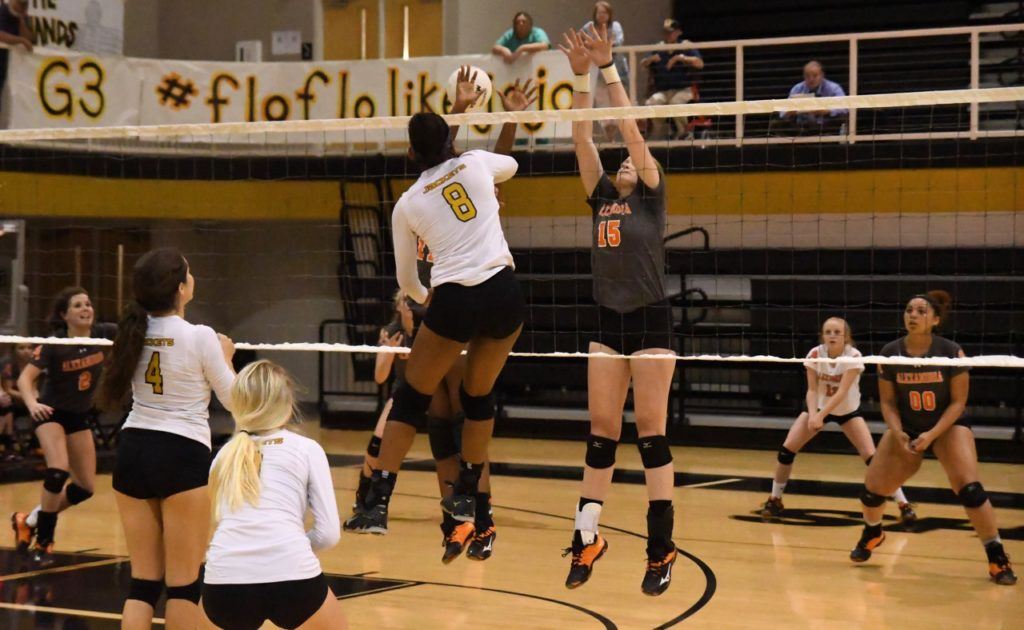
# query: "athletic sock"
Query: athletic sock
448,523
660,522
777,489
382,484
46,528
900,497
469,478
33,516
483,519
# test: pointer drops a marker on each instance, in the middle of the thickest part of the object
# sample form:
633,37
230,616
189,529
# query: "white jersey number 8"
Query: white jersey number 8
459,202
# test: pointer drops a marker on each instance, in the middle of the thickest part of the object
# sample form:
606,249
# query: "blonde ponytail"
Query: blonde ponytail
263,399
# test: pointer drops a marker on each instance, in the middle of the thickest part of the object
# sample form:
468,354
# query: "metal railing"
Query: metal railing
741,46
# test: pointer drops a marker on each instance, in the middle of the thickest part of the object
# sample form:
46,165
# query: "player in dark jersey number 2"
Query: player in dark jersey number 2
923,407
628,255
61,417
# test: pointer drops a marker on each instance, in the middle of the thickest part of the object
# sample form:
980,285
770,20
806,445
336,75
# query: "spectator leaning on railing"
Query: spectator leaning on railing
674,75
814,85
522,39
14,31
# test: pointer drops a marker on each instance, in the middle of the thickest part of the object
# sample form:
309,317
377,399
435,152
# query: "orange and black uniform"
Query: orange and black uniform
922,391
72,373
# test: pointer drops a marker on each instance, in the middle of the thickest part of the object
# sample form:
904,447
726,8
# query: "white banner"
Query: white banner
79,90
93,26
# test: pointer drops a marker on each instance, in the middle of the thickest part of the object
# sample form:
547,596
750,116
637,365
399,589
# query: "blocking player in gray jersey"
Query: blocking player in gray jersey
923,407
628,259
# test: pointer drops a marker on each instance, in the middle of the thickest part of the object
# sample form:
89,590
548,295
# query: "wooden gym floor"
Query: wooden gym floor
738,572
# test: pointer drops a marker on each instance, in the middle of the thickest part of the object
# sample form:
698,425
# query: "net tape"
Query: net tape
730,108
992,360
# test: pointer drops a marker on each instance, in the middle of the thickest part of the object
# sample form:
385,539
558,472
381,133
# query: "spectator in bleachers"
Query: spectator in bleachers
10,398
15,30
815,85
674,75
604,15
522,39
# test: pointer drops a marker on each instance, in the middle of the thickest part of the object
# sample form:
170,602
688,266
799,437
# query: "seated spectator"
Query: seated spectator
814,85
522,39
675,75
605,15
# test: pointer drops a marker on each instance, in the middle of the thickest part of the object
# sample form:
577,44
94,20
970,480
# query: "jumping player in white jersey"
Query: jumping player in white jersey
833,393
261,564
163,453
476,303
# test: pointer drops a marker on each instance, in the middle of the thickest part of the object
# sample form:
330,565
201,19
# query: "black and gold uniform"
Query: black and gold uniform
922,391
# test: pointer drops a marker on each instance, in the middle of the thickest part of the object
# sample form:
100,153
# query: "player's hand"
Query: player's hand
575,50
815,422
466,94
599,46
227,347
393,341
39,412
923,441
904,441
519,97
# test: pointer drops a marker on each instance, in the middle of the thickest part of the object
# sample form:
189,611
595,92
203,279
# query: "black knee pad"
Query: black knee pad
409,406
76,494
188,592
147,591
654,451
601,451
477,407
54,480
373,448
871,499
972,495
443,444
786,456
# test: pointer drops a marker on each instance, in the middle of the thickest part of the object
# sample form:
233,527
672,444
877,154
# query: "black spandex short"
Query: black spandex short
843,419
71,421
914,433
493,308
158,464
645,328
245,606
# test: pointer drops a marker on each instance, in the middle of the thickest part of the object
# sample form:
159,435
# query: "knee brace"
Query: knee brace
147,591
972,495
76,493
409,406
188,592
373,448
654,451
54,479
443,444
786,456
477,407
871,499
601,452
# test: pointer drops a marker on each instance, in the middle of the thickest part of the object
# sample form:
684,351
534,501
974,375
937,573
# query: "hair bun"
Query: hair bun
943,302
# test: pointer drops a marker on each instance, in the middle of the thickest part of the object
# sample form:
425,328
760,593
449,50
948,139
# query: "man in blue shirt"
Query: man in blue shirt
522,39
674,75
815,85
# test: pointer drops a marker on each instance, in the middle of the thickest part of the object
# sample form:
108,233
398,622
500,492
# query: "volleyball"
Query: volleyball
483,87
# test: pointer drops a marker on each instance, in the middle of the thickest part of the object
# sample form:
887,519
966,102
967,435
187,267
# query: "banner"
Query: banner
94,26
79,90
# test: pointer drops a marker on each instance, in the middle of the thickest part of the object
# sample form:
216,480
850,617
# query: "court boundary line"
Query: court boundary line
62,569
72,612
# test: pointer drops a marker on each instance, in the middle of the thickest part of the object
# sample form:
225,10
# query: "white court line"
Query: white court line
706,484
68,611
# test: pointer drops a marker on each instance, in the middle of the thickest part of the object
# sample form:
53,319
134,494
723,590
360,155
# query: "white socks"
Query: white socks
899,496
586,522
777,489
33,517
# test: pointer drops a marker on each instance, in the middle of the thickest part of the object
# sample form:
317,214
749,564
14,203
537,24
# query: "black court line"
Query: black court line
711,582
836,489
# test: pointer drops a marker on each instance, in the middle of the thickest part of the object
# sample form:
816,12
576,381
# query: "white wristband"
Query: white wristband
581,83
610,74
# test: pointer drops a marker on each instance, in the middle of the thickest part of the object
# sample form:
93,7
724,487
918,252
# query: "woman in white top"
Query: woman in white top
163,453
261,564
833,393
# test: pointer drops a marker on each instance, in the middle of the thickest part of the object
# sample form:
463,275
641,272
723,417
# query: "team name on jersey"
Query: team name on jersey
73,365
272,442
915,378
444,178
831,378
159,342
614,208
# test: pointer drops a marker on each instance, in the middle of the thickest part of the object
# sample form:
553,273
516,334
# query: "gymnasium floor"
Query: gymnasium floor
738,572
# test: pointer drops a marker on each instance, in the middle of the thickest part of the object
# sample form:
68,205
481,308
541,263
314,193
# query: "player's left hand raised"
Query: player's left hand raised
599,45
466,92
519,97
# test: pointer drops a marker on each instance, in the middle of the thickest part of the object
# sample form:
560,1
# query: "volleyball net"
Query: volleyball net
781,214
